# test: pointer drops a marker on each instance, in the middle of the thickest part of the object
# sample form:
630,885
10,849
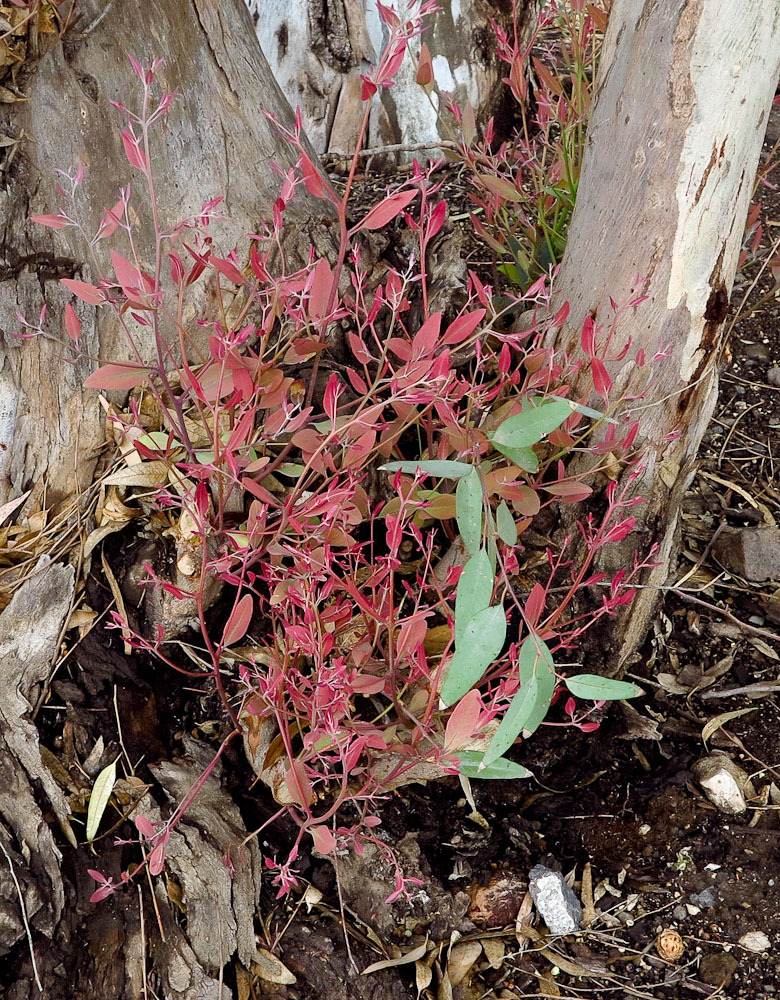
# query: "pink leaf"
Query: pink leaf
601,380
463,327
534,605
51,221
321,287
427,337
111,219
229,269
425,67
239,621
121,377
323,838
133,151
72,324
88,293
157,858
144,826
588,337
313,179
386,210
127,275
298,784
463,721
569,491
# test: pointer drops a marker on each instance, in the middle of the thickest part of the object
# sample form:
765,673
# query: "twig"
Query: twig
726,614
398,147
760,687
25,921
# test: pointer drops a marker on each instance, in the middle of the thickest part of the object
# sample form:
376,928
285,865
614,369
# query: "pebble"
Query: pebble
557,905
725,784
680,913
718,969
706,898
752,553
773,375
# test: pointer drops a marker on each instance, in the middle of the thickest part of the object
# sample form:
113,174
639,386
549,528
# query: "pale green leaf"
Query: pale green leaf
468,510
524,458
441,468
471,760
475,589
532,424
531,703
507,528
481,642
98,800
596,688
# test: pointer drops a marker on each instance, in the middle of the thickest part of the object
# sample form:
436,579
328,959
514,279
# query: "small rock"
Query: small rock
705,899
497,903
773,375
718,970
752,553
557,905
725,784
755,941
760,351
680,913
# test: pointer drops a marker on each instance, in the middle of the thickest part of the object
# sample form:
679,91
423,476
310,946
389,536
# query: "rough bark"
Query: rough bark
683,97
217,142
317,50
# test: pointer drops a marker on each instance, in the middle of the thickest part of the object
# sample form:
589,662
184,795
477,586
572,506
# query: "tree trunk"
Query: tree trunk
317,50
217,142
682,101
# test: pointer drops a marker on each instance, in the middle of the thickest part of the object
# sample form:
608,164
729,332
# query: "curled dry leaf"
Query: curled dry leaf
269,968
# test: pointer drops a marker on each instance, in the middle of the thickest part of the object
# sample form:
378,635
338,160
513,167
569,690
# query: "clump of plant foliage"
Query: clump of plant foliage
368,537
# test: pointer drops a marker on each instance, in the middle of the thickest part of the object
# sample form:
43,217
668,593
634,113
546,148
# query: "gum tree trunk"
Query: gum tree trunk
217,141
317,50
683,97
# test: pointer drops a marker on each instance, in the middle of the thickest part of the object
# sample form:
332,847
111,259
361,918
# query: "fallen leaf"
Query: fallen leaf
390,963
269,968
461,958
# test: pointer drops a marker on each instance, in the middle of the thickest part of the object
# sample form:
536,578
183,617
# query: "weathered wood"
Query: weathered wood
683,97
317,50
217,141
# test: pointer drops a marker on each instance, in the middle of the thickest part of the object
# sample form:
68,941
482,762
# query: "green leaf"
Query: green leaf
531,703
292,470
98,800
481,642
470,761
475,589
595,688
507,529
524,458
530,426
468,510
158,441
442,468
586,411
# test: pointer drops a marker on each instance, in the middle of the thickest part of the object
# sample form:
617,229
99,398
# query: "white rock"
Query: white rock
724,783
755,941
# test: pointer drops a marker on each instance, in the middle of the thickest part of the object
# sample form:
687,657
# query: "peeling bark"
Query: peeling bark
317,50
682,100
